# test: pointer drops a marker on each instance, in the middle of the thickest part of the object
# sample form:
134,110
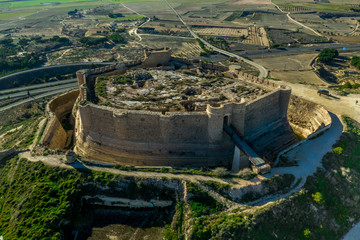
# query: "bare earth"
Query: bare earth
340,105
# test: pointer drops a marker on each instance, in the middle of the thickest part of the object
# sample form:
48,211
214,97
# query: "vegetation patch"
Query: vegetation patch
100,87
355,61
327,55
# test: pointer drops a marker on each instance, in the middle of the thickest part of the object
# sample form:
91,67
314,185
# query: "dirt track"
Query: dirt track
340,105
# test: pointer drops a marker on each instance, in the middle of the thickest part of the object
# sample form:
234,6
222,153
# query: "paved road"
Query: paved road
299,50
34,92
47,94
36,86
85,64
263,72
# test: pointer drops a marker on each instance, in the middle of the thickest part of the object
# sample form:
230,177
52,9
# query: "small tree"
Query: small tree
327,55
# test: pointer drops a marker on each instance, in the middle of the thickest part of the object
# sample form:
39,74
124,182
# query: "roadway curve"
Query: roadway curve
56,69
42,90
39,90
263,71
29,99
134,30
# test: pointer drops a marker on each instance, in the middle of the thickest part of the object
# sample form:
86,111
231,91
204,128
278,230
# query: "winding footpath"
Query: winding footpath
263,71
134,30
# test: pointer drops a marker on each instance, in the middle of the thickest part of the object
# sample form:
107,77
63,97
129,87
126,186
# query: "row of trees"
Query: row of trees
327,55
115,37
19,63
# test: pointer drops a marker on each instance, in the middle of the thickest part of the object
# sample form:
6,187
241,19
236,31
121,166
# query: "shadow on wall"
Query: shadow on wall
60,128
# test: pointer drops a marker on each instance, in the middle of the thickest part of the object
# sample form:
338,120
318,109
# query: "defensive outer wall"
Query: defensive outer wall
139,137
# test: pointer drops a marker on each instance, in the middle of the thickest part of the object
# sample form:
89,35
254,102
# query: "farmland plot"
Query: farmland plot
251,35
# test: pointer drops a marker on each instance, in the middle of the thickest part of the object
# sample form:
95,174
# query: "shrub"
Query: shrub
338,150
355,61
355,86
318,197
100,87
345,86
307,233
116,38
327,55
88,41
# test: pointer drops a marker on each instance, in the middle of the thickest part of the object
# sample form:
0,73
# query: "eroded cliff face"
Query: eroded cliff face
306,117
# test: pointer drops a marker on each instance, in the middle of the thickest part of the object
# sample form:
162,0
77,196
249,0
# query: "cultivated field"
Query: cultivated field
293,69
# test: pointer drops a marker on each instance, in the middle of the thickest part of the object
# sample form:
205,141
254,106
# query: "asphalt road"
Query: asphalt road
33,92
29,99
299,50
36,86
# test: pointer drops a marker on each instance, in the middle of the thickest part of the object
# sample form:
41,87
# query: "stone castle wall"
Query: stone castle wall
185,139
178,138
55,135
148,138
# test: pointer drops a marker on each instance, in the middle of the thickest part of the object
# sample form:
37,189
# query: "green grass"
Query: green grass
11,15
33,205
38,3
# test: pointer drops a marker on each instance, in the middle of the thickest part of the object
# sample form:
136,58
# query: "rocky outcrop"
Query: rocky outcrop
306,117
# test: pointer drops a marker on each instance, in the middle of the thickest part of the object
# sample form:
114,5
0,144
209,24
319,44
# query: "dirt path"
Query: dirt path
308,156
38,131
355,29
57,161
63,54
263,72
133,31
340,105
353,234
10,131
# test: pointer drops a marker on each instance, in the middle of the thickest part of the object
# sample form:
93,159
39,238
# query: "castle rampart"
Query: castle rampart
55,136
194,138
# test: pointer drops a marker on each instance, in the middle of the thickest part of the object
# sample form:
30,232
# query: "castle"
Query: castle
168,137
